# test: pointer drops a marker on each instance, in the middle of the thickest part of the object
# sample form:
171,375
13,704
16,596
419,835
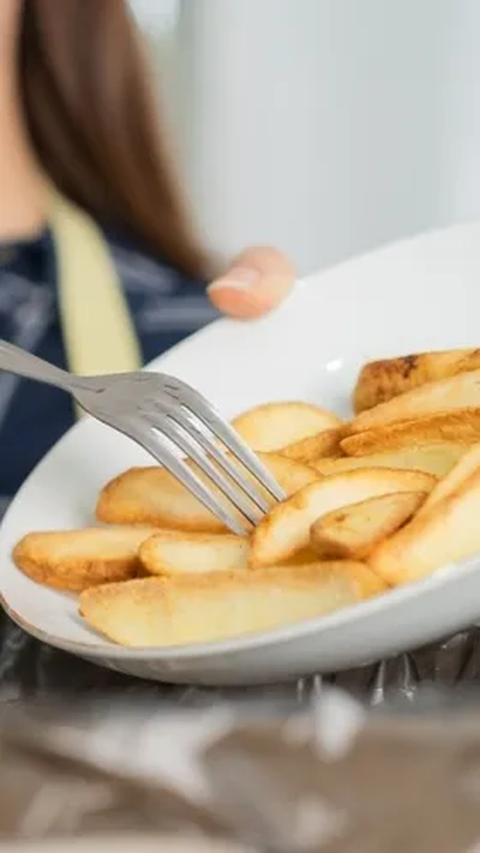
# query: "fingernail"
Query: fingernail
238,278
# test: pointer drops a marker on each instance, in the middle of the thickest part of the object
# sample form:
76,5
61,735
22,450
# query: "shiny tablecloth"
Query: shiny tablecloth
28,667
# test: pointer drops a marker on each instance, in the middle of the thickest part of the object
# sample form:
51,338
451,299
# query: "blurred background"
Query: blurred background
324,127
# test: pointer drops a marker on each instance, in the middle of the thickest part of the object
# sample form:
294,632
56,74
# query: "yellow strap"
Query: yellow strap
98,331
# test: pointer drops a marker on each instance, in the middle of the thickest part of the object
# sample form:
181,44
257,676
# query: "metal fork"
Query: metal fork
161,413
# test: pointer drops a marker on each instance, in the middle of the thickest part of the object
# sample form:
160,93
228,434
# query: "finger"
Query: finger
258,280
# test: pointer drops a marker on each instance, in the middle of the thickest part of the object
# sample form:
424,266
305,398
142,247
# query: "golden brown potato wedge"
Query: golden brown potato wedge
276,425
382,380
351,533
293,475
324,445
301,558
448,531
445,395
464,468
153,496
171,552
166,611
436,459
460,427
73,560
286,528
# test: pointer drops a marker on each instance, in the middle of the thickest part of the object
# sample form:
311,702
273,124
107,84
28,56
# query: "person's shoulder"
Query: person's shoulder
166,304
139,268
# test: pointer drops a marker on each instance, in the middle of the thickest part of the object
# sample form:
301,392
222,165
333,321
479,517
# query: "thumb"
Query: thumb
258,280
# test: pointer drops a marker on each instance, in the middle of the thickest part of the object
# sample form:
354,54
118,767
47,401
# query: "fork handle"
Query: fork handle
22,363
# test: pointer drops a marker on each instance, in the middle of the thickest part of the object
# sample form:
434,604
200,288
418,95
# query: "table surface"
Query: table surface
28,667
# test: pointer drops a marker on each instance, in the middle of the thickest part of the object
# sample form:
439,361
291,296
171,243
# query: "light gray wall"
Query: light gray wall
326,126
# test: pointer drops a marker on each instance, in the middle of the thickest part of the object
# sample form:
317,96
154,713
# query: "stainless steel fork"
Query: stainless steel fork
161,413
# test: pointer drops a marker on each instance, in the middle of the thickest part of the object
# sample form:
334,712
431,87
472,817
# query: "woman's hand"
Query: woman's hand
257,281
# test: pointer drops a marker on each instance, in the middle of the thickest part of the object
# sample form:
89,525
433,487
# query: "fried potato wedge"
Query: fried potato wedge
286,528
276,425
435,459
166,611
353,532
73,560
153,496
171,552
467,465
461,426
448,531
445,395
382,380
324,444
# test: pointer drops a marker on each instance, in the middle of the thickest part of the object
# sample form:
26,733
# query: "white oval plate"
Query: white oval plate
417,295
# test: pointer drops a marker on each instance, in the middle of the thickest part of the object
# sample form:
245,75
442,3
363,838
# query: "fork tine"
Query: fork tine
150,442
243,453
194,402
179,435
182,417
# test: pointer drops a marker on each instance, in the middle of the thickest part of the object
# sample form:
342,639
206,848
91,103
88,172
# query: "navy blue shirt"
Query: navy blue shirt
166,307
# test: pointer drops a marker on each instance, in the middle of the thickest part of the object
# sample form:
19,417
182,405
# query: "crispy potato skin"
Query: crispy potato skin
460,426
273,426
286,528
465,467
153,496
446,532
324,445
174,553
384,379
74,560
165,611
437,458
352,532
444,396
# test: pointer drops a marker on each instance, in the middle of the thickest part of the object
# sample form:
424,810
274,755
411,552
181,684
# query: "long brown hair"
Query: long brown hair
91,118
